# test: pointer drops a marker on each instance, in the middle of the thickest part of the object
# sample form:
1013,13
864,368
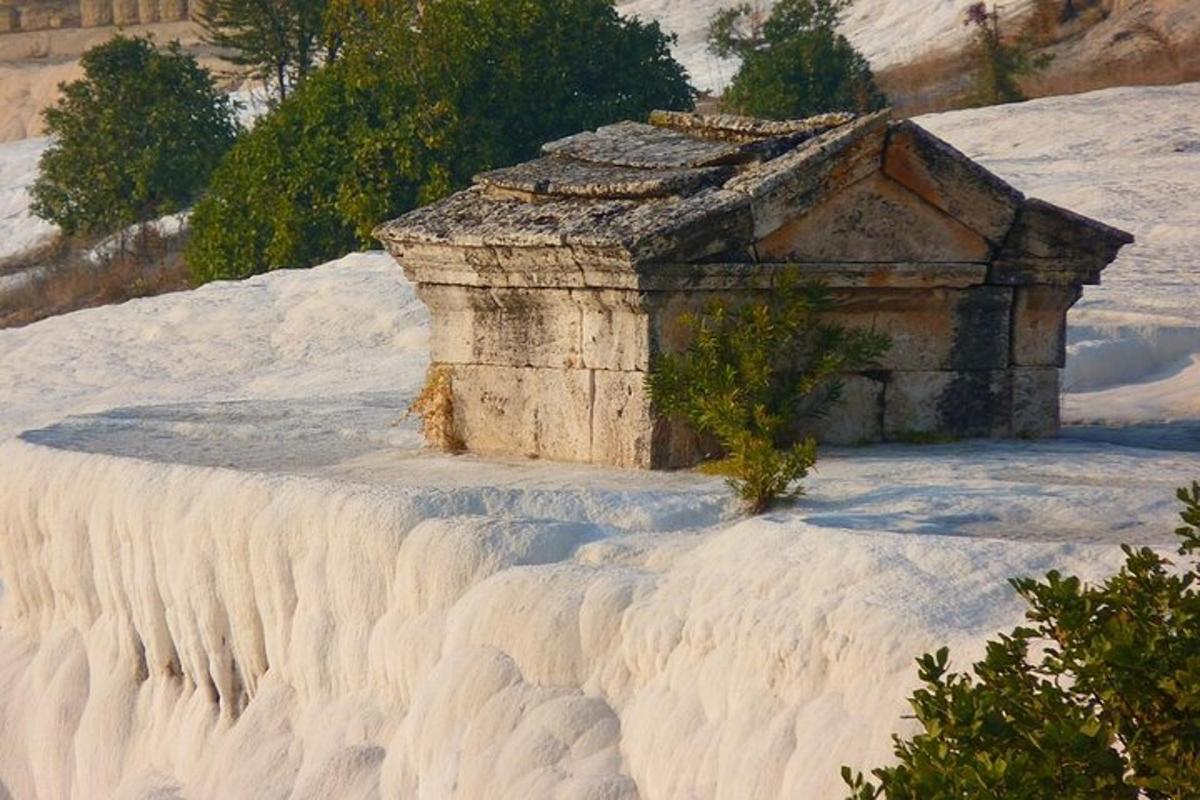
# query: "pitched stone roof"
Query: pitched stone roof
689,188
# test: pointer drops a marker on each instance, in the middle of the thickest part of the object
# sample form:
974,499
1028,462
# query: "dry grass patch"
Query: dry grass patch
435,407
69,274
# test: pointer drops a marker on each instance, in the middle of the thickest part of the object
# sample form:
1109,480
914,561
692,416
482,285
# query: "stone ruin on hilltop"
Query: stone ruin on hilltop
37,15
553,284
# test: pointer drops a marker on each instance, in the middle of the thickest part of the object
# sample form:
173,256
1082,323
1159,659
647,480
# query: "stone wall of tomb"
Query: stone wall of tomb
560,373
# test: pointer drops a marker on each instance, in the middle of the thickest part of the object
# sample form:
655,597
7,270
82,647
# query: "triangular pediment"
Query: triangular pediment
875,220
951,182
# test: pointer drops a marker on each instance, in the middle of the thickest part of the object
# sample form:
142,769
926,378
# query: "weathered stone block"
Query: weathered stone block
645,147
856,418
95,13
148,11
1035,404
727,276
510,327
713,225
1051,245
623,423
616,330
540,413
792,184
1039,327
172,10
452,323
935,329
876,220
930,329
965,403
628,432
948,180
34,18
10,19
125,12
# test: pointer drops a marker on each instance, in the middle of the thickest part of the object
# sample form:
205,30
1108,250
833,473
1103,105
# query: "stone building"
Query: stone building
36,15
553,284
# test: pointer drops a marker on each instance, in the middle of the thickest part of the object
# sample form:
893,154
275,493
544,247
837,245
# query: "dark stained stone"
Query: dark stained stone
976,403
949,181
1051,245
981,329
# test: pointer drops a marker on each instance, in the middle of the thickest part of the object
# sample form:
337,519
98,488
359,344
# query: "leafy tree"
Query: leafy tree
1097,697
417,103
278,41
546,69
999,65
750,373
136,138
794,62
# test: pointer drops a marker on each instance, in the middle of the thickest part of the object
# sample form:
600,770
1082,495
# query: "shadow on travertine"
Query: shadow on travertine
1179,435
1078,488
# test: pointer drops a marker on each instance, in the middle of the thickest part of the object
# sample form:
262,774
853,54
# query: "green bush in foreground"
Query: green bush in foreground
136,138
422,97
750,373
1098,697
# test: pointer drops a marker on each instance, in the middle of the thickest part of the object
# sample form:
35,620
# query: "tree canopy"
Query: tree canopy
277,41
136,138
794,62
418,102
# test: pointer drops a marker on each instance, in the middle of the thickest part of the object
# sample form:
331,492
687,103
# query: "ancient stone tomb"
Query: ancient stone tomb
553,284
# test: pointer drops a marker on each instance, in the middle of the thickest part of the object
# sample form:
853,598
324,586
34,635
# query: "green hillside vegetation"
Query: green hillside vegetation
415,105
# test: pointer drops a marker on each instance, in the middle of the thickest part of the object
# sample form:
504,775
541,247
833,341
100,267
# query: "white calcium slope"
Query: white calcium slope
19,229
232,573
887,32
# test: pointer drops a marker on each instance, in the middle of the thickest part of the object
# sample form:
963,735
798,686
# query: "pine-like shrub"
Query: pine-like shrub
279,43
751,373
999,64
1098,697
134,139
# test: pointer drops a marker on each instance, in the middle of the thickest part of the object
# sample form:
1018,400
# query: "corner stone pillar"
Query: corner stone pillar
95,13
1040,324
148,11
124,12
172,10
10,19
